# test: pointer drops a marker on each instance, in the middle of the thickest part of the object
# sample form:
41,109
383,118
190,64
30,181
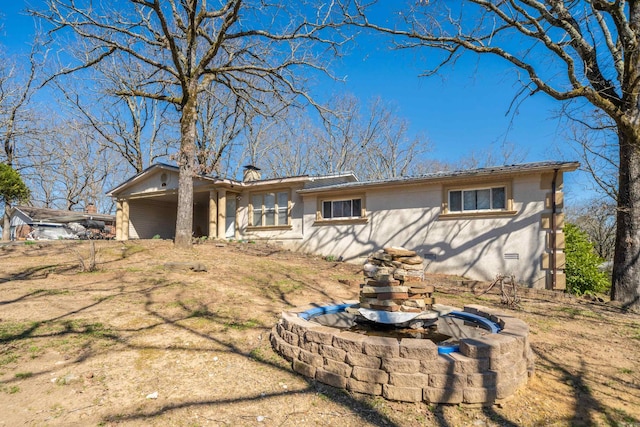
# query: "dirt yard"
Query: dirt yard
137,343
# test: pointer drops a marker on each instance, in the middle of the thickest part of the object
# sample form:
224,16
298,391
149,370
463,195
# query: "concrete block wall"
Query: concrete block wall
485,370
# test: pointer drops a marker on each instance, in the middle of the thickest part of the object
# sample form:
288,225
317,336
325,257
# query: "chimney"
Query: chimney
251,173
91,209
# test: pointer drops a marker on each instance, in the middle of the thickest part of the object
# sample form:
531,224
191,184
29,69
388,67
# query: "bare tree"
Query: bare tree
70,170
596,143
391,152
373,141
577,50
17,87
597,218
502,154
345,136
248,47
136,128
284,147
221,118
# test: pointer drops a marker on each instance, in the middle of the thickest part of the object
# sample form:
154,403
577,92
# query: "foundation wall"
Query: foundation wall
485,370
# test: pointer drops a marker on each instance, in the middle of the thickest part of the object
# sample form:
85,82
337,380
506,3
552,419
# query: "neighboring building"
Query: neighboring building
474,223
55,223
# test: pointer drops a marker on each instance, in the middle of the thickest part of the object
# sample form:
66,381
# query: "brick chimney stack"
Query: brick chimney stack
91,209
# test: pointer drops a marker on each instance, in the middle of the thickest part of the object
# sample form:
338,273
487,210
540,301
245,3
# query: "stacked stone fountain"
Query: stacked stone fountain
394,281
394,291
485,367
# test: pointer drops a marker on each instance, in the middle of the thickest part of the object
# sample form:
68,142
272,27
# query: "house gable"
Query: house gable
158,178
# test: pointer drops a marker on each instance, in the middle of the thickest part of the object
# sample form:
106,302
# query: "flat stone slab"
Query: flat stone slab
193,266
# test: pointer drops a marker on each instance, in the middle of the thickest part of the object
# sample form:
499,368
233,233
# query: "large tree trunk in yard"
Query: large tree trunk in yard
626,265
6,222
186,163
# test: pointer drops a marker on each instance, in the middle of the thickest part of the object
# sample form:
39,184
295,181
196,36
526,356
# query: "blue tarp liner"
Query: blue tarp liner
487,324
319,311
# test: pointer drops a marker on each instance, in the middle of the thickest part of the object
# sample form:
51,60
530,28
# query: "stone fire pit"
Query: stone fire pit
483,370
385,343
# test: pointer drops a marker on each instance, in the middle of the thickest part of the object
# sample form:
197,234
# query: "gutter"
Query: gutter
552,240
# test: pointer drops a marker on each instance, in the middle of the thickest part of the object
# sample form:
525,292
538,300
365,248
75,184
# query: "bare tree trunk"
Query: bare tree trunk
186,163
6,222
191,46
626,265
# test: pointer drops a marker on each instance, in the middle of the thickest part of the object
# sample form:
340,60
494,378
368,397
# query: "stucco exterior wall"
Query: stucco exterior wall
290,236
516,239
160,180
148,218
154,183
476,247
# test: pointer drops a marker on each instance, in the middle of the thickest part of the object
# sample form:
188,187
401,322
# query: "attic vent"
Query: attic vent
163,179
515,256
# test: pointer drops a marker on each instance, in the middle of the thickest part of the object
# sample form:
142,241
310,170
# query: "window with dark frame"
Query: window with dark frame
482,199
334,209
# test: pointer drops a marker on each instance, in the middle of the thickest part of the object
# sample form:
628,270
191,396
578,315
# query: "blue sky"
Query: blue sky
461,111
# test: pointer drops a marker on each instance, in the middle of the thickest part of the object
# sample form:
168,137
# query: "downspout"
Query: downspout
554,207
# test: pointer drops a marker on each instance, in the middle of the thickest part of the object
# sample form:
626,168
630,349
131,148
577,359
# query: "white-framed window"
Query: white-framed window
478,199
270,209
342,209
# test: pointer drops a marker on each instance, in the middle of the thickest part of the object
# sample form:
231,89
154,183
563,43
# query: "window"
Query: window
270,209
342,208
484,199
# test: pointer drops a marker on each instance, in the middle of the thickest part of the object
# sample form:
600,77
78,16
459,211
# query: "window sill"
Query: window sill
268,227
476,215
341,221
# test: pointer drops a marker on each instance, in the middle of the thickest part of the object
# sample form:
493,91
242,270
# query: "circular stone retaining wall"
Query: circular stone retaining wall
485,370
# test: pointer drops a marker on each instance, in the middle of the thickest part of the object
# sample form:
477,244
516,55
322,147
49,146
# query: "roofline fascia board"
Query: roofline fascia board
230,183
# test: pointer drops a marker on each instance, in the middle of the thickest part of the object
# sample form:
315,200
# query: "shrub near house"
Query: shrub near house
582,268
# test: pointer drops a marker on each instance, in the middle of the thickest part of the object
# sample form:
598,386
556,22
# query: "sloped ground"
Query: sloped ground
91,348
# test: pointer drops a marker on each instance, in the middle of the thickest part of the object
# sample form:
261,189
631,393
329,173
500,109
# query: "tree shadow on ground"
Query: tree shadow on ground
586,406
66,326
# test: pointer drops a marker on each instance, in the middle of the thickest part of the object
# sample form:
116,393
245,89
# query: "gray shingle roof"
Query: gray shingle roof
449,175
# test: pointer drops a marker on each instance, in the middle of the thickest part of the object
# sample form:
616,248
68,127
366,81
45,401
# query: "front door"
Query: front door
230,219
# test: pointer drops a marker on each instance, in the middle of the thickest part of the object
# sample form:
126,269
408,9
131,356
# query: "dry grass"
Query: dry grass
87,348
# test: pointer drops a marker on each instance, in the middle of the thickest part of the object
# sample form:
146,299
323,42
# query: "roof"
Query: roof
140,175
435,177
60,216
309,181
348,180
